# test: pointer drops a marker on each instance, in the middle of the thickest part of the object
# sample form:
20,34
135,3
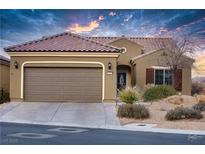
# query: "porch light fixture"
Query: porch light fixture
109,66
16,65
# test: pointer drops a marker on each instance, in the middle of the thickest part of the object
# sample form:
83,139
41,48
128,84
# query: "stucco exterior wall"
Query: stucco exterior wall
186,81
155,59
4,76
110,76
132,50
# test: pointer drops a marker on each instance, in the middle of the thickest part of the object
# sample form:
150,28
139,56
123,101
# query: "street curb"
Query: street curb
123,128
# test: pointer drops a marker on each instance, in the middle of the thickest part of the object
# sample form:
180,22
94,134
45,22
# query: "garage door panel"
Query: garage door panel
65,92
73,94
63,84
82,89
69,86
51,98
62,81
79,79
87,99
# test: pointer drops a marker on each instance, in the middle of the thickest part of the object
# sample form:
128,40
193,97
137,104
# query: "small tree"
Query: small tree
177,54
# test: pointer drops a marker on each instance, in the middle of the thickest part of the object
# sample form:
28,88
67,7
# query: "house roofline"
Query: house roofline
143,55
133,60
10,48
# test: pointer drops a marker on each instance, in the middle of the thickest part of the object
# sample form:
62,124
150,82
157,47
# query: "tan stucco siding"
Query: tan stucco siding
4,77
129,80
186,81
155,59
132,50
109,76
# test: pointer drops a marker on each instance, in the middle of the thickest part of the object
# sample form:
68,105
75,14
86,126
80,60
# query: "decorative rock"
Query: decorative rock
201,98
178,100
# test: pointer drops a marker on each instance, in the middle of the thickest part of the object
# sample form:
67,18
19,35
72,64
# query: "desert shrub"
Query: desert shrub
196,88
125,110
148,86
183,113
135,111
129,95
199,106
140,112
158,92
4,96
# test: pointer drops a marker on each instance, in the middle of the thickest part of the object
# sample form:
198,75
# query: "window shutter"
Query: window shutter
149,76
178,80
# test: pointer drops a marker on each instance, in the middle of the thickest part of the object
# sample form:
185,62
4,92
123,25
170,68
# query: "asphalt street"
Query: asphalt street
27,134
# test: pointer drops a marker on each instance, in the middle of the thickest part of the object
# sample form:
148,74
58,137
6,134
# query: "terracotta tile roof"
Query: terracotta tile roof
149,43
63,42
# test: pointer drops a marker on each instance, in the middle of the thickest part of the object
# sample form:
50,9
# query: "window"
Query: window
168,77
163,76
159,77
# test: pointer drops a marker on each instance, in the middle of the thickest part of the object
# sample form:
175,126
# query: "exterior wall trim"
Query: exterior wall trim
49,54
143,55
63,62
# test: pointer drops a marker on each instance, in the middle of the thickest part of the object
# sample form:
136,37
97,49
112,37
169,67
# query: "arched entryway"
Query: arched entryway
123,76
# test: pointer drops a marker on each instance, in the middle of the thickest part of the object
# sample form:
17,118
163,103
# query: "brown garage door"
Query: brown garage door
63,84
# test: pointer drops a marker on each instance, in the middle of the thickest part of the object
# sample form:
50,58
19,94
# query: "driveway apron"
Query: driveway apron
73,114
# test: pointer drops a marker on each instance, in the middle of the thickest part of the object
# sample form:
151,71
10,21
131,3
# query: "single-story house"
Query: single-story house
72,68
4,73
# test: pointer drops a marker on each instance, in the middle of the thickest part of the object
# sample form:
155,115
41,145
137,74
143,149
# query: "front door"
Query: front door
121,80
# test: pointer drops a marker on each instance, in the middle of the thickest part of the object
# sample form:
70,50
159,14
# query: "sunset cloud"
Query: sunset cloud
112,13
77,28
128,18
178,29
202,31
101,17
163,30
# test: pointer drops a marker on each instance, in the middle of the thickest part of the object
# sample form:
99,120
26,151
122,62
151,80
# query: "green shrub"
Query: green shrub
148,86
199,106
4,96
183,113
129,95
135,111
158,92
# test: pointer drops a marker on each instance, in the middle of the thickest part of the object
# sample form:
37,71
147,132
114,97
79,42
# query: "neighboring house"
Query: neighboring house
72,68
4,73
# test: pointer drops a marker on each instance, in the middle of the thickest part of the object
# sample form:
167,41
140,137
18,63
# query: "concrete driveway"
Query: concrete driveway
72,114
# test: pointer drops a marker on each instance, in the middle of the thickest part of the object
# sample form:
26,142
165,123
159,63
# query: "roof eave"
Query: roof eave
143,55
89,51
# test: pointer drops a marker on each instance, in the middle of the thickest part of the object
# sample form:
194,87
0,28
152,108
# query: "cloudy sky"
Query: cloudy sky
17,26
